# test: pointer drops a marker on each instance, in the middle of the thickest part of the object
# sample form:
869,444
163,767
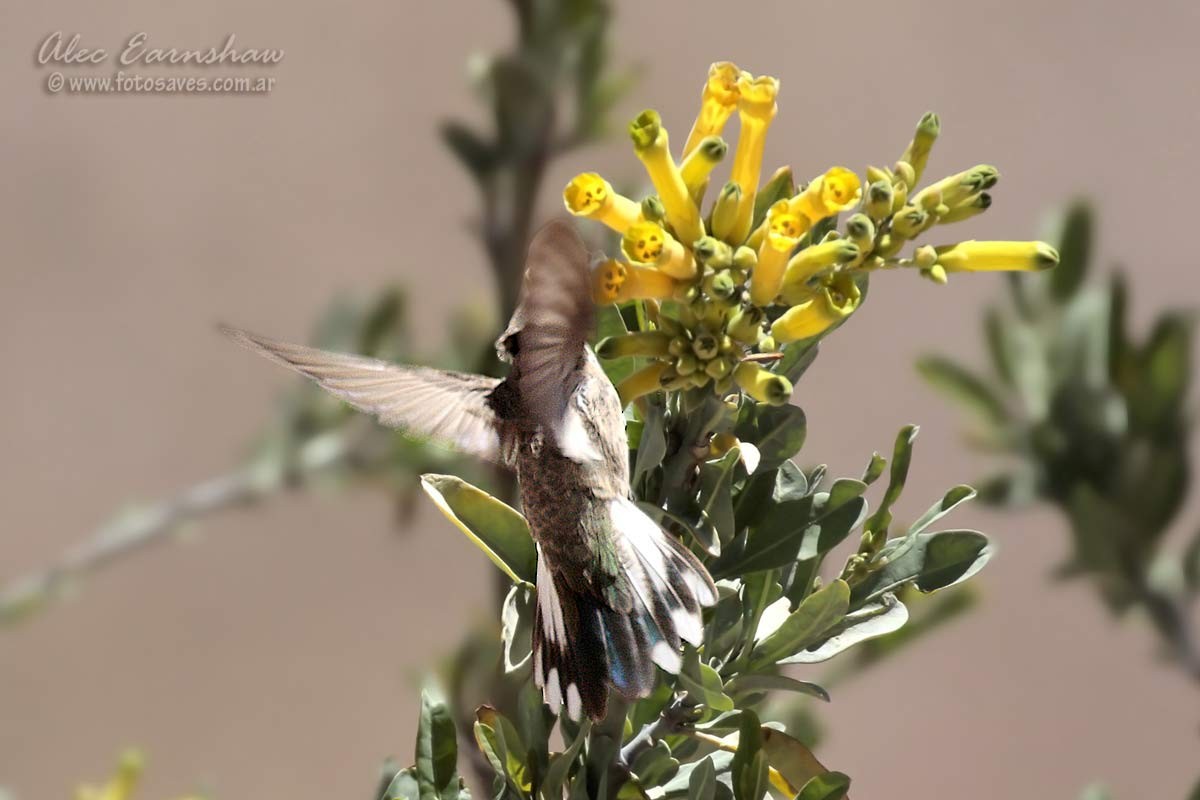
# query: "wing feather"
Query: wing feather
553,322
450,408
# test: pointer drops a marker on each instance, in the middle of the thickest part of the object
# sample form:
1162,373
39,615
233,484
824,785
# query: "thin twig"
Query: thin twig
138,530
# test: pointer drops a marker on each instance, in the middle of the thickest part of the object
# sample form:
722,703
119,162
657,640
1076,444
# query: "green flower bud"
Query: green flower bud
725,210
879,200
705,345
712,252
641,343
745,258
686,364
652,209
860,229
718,368
678,346
925,256
767,344
974,205
876,174
930,201
811,260
726,344
724,386
917,152
699,379
936,273
956,189
746,324
909,222
720,285
906,173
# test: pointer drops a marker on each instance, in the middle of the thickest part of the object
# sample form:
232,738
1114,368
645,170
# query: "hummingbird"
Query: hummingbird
616,595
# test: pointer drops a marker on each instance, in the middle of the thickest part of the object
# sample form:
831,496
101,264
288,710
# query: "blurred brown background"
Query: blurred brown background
274,655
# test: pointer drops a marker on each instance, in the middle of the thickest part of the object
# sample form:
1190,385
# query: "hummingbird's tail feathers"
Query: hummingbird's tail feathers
582,643
570,662
450,408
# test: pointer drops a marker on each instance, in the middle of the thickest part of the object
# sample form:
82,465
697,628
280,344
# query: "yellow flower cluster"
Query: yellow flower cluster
768,265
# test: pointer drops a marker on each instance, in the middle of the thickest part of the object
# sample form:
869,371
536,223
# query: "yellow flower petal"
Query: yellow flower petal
648,243
589,195
756,109
642,382
839,189
831,305
763,385
717,102
784,230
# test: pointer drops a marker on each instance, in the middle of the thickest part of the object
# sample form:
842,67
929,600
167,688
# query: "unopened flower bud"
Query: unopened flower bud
879,200
925,256
876,174
906,173
642,382
936,273
725,209
652,209
712,252
720,285
746,324
699,164
706,346
973,206
811,260
745,258
686,364
917,152
762,385
718,368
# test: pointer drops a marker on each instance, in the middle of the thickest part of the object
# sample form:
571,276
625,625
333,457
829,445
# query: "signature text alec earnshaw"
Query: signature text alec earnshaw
58,49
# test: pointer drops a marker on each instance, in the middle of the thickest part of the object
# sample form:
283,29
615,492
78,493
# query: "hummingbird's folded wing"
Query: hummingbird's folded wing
554,321
450,408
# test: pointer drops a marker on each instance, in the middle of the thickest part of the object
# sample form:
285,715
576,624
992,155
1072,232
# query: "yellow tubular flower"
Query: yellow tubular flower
756,109
699,164
811,260
647,243
644,381
837,190
763,386
638,343
973,206
589,195
830,306
717,102
651,144
121,786
784,230
614,282
975,256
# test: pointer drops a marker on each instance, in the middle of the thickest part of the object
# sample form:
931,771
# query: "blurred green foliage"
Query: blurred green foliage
1094,420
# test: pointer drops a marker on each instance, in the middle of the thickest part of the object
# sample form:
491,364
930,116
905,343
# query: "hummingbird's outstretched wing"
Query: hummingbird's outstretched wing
548,334
451,408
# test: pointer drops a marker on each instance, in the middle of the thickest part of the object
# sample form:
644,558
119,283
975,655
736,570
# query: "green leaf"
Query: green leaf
791,758
931,561
403,786
495,528
779,186
872,620
716,500
560,767
516,627
747,683
901,459
749,770
952,499
797,358
819,612
964,387
1074,251
655,765
874,469
652,446
703,683
777,431
437,750
830,786
679,786
702,785
508,747
831,524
